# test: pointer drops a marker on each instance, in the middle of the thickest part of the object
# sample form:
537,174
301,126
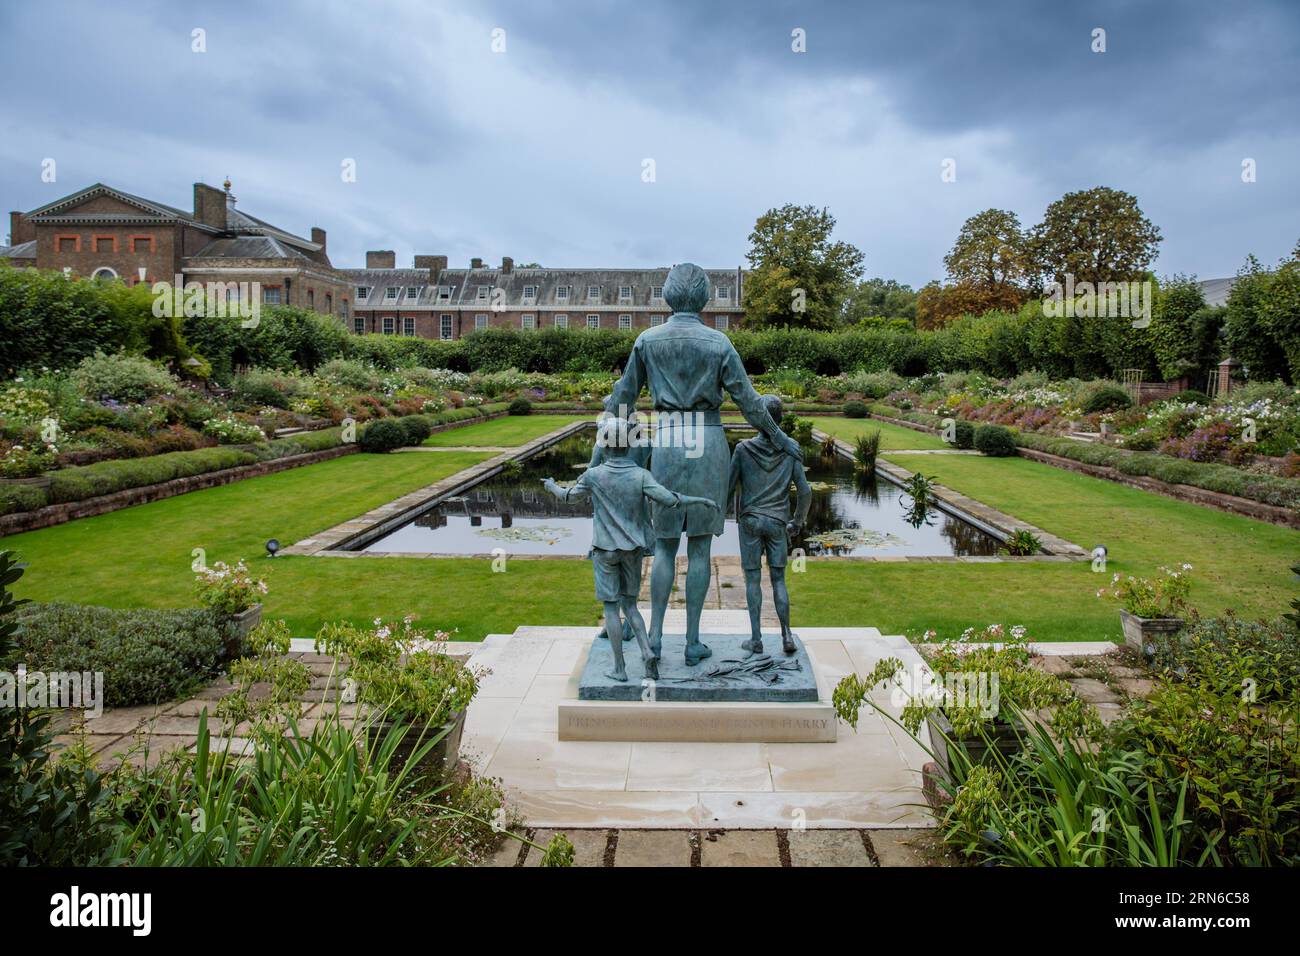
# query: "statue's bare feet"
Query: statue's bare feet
787,642
652,668
754,645
697,652
618,673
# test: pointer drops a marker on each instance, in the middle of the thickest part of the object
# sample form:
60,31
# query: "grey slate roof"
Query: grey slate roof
23,250
249,247
464,285
1216,290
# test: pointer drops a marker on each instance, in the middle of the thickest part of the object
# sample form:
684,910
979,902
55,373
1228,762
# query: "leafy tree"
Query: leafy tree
1250,333
991,253
799,276
883,298
1184,331
937,305
1279,313
1096,235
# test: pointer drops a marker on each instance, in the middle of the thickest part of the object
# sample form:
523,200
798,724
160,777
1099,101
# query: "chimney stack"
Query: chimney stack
318,237
381,259
20,229
507,265
435,265
476,263
210,206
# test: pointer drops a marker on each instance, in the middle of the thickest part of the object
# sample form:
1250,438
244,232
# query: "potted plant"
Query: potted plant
231,591
972,698
1151,609
407,685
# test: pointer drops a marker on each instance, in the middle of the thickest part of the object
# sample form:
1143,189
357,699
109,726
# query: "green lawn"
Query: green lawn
1238,563
141,556
504,432
891,436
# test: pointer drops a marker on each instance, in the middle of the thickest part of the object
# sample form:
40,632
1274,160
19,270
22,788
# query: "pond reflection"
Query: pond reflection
851,514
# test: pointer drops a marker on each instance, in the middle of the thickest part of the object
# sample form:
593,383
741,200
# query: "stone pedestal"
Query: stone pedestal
731,697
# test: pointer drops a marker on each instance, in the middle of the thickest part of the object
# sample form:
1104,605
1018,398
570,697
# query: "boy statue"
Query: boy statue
618,487
764,471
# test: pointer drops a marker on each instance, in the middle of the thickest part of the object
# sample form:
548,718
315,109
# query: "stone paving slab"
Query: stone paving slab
653,848
827,848
740,848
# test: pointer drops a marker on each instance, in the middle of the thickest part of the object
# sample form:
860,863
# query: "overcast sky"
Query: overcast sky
538,152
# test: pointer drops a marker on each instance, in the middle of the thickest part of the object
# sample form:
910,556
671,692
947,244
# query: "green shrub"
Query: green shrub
15,498
520,406
351,374
126,378
1108,399
856,409
996,441
1191,396
416,428
383,435
266,387
964,435
866,449
106,477
147,656
51,814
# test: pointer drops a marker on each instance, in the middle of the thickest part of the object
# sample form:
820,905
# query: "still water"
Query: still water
849,516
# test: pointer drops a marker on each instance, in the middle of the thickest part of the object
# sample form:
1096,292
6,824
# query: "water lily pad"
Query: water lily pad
539,533
854,538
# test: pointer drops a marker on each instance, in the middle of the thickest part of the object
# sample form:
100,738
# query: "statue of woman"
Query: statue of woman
688,368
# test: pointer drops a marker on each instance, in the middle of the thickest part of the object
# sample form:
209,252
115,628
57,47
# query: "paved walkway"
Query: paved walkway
767,848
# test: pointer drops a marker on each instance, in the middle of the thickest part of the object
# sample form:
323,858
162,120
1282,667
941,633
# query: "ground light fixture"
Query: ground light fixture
272,546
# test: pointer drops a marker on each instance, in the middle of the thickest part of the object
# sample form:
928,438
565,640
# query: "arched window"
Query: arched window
104,272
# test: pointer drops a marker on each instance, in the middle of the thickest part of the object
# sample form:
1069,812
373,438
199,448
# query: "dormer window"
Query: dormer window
625,293
412,292
530,292
657,293
593,293
363,293
724,294
483,292
390,292
444,293
561,293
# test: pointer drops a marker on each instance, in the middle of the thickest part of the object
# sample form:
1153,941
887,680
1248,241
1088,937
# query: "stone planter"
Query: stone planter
1003,737
244,622
1141,631
442,756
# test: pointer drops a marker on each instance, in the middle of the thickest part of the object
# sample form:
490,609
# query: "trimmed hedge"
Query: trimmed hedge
997,441
520,406
106,477
855,410
146,656
383,435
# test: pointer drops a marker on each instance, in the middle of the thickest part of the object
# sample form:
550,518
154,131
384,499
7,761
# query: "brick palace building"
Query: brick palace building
103,232
437,302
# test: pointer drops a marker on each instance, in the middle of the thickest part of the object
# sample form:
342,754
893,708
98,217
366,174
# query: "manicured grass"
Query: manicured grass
891,436
1237,563
141,556
505,432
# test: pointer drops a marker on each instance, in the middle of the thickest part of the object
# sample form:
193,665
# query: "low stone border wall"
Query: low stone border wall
334,542
1003,524
68,510
1273,514
1234,504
